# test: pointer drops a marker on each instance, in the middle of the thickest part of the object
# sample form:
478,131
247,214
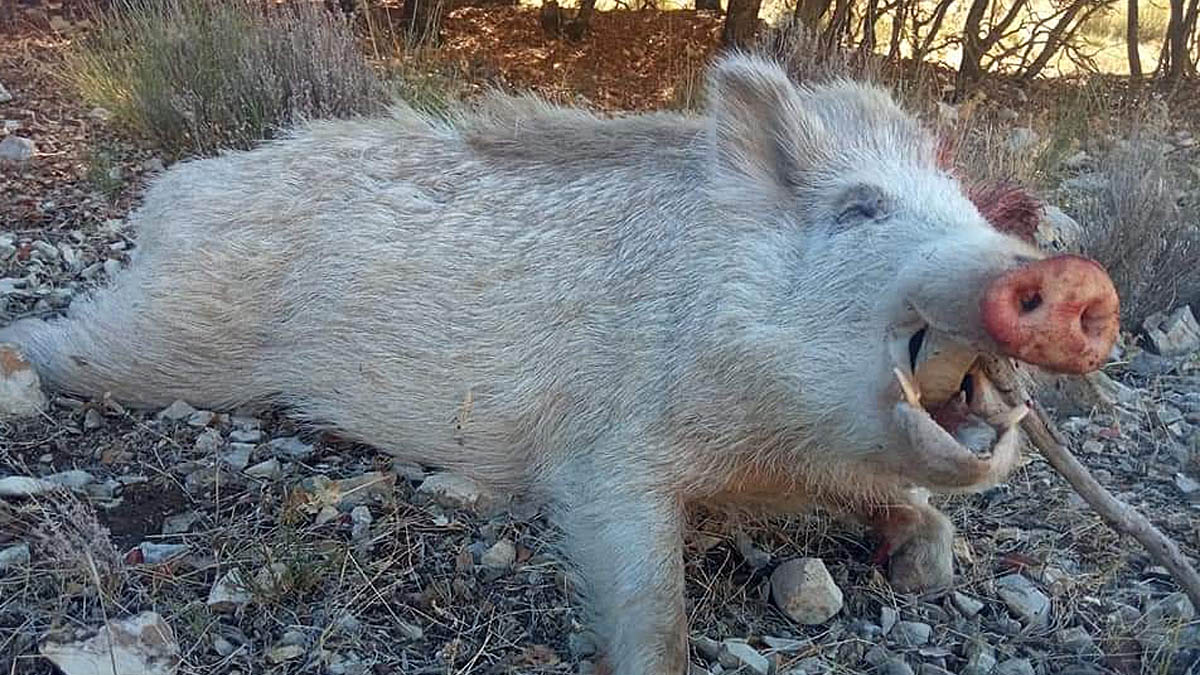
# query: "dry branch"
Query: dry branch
1120,516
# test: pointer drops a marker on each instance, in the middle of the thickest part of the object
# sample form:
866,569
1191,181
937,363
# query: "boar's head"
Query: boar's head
870,283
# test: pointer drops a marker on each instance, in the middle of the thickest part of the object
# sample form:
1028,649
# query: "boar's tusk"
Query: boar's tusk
934,459
1120,516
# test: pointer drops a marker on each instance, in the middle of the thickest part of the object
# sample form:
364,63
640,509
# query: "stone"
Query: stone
5,95
911,633
888,617
1058,232
92,420
75,479
291,447
16,555
1149,365
238,455
17,149
140,645
1075,640
1174,334
1188,486
270,469
581,645
500,556
229,594
738,654
897,667
360,522
969,607
1014,667
21,392
153,553
179,410
1024,599
805,591
981,659
284,653
454,490
755,557
24,486
245,435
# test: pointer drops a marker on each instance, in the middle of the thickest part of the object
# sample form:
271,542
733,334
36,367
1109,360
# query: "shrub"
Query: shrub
197,76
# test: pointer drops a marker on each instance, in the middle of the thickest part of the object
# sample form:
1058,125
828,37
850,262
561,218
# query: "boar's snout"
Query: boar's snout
1061,313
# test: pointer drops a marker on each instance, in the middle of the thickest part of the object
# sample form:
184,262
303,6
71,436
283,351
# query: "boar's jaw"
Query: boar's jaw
959,436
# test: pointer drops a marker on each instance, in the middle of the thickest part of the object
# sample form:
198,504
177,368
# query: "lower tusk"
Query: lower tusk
911,395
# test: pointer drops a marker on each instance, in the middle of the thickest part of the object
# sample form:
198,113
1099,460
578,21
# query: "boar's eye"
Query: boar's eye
861,202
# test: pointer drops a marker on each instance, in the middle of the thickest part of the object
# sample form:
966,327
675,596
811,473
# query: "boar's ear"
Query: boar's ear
760,131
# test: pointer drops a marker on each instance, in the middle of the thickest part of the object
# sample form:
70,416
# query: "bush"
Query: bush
1142,224
197,76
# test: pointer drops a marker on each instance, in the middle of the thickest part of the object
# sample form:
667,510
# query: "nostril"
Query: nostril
1030,302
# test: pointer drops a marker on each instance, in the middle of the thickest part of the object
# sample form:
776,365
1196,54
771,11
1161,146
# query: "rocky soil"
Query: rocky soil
197,541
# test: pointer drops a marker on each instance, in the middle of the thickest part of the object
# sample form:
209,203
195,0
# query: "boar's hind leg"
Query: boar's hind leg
625,545
917,543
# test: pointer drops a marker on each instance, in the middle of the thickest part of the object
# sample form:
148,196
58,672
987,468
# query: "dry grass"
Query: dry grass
200,75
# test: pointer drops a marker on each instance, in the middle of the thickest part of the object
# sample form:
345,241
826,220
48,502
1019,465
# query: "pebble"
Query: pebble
738,654
246,435
805,591
180,522
911,633
17,149
291,447
981,659
229,593
897,667
15,555
75,479
285,653
153,554
179,410
500,556
888,616
5,95
755,557
20,387
208,442
1075,640
92,420
968,606
111,267
142,644
1024,599
222,646
24,486
454,490
360,522
201,418
271,469
238,455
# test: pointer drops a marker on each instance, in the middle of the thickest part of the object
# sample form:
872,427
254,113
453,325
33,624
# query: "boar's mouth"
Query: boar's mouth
962,436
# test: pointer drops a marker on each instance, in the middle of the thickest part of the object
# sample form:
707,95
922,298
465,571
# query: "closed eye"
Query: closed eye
860,203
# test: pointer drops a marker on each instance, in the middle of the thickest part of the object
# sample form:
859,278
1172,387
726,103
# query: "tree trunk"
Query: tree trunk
970,68
1132,42
809,12
708,5
741,23
577,27
1174,51
870,18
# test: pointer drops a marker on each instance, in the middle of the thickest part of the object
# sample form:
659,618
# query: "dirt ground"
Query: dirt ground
391,580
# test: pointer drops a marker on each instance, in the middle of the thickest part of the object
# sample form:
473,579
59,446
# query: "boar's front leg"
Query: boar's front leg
624,541
917,543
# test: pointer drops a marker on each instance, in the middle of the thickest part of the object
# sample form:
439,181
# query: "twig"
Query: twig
1120,516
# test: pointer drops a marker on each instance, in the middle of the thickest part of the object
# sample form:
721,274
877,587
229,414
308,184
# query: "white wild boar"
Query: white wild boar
769,305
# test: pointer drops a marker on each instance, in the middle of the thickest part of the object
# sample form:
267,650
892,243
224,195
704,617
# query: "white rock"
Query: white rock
454,490
74,479
1176,334
285,653
803,589
20,387
1187,485
179,410
14,555
238,455
17,149
1058,232
360,522
24,486
1024,599
268,470
966,604
5,96
208,442
140,645
229,593
500,556
1014,667
912,633
291,447
738,654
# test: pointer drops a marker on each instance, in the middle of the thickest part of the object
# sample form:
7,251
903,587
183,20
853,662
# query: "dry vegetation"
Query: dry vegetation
410,595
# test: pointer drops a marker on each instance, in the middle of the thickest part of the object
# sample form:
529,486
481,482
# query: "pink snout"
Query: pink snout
1061,313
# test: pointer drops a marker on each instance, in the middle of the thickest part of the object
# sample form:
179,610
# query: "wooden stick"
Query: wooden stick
1120,516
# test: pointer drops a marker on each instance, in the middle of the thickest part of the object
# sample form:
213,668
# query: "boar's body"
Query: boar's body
620,315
